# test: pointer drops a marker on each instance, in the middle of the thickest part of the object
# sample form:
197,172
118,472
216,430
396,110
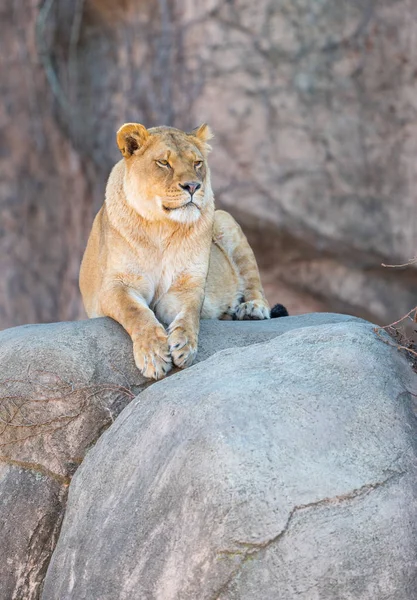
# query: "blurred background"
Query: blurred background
314,108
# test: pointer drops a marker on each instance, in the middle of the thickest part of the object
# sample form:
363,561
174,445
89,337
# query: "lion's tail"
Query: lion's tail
279,311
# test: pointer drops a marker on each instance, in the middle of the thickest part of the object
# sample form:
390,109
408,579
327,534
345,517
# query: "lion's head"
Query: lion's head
166,175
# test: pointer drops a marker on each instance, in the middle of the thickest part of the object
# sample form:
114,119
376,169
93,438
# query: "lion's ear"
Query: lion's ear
131,137
203,133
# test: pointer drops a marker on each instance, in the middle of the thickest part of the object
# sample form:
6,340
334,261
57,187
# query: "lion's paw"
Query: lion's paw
151,352
182,345
254,309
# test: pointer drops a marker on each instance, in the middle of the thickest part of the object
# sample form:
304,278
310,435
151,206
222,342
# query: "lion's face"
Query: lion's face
167,176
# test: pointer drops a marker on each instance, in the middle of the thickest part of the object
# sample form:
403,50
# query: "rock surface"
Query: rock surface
61,385
283,470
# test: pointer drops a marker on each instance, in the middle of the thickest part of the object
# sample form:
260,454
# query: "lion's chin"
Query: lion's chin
189,213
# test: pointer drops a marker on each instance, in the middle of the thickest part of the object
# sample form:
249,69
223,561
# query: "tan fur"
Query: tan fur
155,258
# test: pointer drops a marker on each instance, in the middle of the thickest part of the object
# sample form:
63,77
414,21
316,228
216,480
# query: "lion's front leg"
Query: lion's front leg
180,309
150,340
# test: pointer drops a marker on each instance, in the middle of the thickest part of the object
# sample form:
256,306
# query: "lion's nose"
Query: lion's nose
190,186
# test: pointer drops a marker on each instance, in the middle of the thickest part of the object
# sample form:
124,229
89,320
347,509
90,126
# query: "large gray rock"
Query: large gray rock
62,385
284,470
31,509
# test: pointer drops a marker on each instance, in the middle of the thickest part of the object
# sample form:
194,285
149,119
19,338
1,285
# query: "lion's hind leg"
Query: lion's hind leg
228,235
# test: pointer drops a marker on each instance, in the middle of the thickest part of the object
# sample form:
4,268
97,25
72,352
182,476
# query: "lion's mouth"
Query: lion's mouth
189,203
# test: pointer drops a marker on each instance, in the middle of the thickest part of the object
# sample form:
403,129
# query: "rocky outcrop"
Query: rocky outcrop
284,469
61,386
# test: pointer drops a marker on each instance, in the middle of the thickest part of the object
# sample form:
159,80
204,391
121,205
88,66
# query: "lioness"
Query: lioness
159,253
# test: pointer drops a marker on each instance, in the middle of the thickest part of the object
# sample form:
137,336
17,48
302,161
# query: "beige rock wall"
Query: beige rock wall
313,106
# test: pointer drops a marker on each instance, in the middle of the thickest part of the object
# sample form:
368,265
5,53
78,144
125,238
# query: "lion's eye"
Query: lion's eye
163,163
198,164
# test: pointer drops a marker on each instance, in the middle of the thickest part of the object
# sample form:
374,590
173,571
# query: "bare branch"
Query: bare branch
400,341
410,262
14,407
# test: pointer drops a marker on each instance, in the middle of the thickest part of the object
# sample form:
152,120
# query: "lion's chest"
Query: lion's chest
169,268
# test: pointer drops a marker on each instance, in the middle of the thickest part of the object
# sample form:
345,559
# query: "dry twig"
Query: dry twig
407,264
20,410
400,340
